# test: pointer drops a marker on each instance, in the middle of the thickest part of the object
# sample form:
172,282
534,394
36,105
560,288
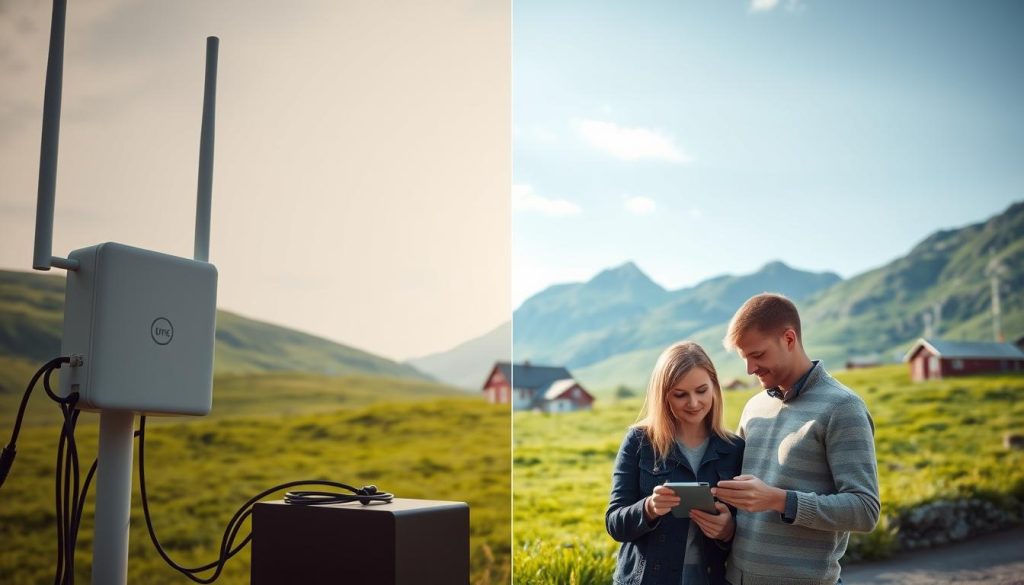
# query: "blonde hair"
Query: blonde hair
767,313
656,417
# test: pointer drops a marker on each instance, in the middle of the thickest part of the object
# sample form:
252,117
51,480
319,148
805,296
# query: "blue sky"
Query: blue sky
710,137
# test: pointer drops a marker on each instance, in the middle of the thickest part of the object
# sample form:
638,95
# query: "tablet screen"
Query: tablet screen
692,495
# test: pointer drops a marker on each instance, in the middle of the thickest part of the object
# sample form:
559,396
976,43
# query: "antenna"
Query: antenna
108,379
202,246
41,257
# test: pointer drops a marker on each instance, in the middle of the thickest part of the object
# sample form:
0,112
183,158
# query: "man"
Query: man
809,470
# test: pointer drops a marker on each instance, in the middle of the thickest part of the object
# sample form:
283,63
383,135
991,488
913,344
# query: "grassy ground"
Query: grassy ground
934,440
200,470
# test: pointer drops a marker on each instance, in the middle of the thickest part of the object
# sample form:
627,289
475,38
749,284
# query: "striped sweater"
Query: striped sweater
820,446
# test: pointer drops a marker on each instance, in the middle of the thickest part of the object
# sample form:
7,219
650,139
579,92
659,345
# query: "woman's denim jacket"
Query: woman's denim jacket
652,553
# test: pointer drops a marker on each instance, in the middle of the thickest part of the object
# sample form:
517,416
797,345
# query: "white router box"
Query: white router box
144,323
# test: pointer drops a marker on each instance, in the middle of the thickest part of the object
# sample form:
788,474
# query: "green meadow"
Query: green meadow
414,439
935,440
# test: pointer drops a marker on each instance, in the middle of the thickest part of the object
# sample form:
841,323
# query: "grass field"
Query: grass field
200,470
934,440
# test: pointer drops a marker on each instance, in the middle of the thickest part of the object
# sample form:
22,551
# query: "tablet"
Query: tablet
692,495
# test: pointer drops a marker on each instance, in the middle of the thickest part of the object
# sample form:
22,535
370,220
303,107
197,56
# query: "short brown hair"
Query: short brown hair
768,313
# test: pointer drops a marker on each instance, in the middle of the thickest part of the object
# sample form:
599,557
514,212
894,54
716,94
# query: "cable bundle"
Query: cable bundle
365,495
70,492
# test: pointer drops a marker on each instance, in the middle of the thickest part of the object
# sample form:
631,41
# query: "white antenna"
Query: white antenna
202,246
196,321
41,256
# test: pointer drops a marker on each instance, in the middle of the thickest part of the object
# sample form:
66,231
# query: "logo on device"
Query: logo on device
161,331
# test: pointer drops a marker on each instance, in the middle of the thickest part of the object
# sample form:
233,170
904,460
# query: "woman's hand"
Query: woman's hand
720,527
660,502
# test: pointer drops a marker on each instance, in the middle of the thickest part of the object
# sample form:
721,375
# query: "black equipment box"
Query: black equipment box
404,542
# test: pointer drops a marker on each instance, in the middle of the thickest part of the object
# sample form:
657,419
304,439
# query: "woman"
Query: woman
679,438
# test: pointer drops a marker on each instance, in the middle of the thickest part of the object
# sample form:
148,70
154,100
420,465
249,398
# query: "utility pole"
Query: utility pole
995,269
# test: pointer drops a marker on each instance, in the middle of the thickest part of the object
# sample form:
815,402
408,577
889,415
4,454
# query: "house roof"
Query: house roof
556,388
527,375
967,349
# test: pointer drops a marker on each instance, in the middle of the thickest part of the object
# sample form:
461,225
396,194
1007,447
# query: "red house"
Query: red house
531,387
934,359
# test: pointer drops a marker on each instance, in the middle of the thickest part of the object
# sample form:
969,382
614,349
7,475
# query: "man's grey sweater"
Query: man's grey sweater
818,444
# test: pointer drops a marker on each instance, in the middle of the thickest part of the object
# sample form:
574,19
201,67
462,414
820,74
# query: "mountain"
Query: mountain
621,310
550,324
946,275
31,320
468,364
878,312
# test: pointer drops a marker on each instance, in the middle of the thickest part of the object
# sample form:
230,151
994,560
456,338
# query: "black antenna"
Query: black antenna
42,259
204,194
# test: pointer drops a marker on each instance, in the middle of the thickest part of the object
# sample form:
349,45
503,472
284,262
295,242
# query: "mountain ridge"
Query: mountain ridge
877,312
31,324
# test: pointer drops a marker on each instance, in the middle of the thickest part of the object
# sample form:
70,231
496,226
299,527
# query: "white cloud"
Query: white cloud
696,213
794,6
639,205
631,143
525,199
763,5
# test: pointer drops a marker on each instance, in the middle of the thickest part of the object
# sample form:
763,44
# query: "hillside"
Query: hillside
879,312
31,319
467,364
882,311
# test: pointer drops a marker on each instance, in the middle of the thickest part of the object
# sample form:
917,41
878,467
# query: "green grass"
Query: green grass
274,393
200,470
934,440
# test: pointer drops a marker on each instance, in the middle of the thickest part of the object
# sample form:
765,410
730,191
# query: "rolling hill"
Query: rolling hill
467,364
31,319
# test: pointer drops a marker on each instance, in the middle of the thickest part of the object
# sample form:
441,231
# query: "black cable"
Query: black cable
70,491
9,452
366,495
69,496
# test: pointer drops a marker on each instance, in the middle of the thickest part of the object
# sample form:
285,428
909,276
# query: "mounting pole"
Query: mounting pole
113,497
41,256
204,194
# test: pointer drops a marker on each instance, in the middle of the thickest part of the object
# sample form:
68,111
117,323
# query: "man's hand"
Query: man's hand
720,527
750,494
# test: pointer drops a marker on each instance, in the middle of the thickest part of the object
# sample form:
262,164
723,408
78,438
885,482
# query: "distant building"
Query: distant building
863,361
934,359
734,384
530,387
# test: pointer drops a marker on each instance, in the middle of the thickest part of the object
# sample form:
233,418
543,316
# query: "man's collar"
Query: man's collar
777,392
